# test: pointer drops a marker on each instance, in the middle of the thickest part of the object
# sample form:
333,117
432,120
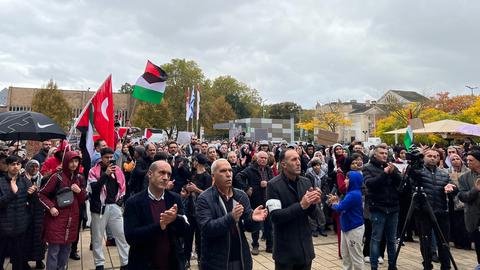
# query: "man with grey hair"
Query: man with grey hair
256,177
224,214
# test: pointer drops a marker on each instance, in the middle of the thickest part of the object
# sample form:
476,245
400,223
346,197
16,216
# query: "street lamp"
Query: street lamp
365,134
471,88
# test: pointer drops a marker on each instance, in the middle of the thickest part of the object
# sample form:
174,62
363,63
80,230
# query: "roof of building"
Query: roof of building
411,96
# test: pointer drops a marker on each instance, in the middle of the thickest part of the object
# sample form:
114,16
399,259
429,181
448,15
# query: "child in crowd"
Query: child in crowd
351,221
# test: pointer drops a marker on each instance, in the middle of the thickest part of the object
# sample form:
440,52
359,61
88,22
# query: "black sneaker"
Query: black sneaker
124,267
255,251
100,267
435,258
74,256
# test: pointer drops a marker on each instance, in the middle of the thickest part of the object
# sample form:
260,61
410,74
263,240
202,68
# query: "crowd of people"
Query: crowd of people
163,204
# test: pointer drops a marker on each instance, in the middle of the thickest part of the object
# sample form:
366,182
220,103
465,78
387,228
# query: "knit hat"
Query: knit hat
475,154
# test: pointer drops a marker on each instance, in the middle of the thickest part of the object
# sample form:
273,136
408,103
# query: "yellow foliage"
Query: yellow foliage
472,114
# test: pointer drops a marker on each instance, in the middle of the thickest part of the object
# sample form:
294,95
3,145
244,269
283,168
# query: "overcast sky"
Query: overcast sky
302,51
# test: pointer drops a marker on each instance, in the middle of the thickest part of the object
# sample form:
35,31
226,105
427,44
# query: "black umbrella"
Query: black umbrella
28,126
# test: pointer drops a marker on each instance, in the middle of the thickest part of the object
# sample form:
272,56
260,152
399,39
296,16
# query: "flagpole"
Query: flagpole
70,133
197,131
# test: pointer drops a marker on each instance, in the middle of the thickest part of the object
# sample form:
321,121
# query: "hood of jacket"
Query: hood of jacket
66,159
355,180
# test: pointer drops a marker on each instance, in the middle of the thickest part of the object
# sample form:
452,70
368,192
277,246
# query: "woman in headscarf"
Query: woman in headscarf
34,246
458,231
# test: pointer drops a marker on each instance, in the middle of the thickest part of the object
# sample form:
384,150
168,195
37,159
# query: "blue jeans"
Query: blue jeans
383,223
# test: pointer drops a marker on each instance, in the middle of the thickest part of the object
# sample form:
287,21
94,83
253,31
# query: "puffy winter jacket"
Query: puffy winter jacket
433,182
382,188
14,213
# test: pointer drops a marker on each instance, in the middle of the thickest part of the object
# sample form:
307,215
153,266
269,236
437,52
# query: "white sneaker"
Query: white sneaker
366,259
380,260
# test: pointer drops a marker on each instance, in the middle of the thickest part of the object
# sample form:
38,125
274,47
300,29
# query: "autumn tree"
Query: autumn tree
472,113
126,88
331,117
217,111
182,74
284,110
245,101
396,108
393,121
451,104
149,115
51,102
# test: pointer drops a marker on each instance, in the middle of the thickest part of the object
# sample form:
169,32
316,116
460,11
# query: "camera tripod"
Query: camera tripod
419,198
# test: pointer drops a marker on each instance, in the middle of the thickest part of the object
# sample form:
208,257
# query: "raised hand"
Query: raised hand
259,214
75,188
237,212
168,217
32,189
54,212
13,185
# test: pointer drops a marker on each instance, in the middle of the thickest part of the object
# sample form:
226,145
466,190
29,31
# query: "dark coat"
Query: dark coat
433,182
63,228
137,178
251,177
215,225
35,247
41,156
139,226
382,188
14,211
292,242
470,196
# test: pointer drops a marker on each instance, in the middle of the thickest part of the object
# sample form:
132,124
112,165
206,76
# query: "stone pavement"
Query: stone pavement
325,250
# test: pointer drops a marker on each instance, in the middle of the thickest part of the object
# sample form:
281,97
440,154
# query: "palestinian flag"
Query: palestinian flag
151,85
150,131
408,140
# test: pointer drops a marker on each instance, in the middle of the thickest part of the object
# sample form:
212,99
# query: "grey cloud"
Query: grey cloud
290,51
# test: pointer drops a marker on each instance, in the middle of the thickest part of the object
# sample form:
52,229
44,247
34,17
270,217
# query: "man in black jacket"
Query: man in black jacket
291,199
382,180
224,214
436,184
43,153
14,214
256,177
144,158
154,222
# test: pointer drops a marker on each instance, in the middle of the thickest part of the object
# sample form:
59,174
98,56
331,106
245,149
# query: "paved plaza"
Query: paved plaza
325,250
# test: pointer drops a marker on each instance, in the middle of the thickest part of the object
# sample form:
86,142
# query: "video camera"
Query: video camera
415,159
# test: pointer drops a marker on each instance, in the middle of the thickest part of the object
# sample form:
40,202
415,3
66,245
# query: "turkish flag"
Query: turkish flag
103,117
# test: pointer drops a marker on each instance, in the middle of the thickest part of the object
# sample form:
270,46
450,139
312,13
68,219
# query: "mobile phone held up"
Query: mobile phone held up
113,162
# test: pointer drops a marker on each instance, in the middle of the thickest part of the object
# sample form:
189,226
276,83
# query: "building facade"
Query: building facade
20,99
257,129
364,115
